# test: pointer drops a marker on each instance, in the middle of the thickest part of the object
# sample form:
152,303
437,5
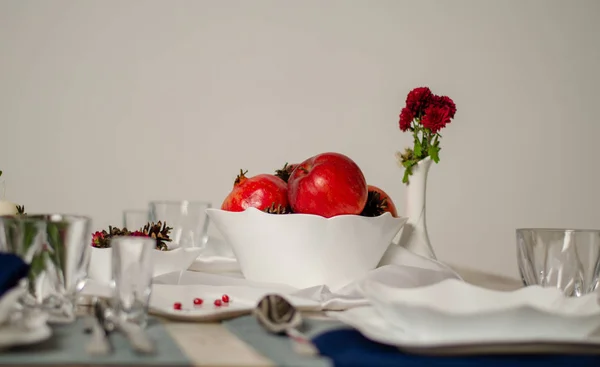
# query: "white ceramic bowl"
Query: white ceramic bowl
304,250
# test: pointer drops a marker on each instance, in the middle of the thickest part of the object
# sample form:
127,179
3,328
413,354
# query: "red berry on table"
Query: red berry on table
225,298
198,301
177,305
217,302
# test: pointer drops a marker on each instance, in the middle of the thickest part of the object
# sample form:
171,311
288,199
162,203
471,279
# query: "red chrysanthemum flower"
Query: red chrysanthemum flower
96,237
444,101
418,99
436,118
430,114
139,234
406,118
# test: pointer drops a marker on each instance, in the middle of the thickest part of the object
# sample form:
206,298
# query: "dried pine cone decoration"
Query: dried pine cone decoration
160,232
102,238
115,231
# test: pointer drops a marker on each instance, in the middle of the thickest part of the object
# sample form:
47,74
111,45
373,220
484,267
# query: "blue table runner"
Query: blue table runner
66,346
341,346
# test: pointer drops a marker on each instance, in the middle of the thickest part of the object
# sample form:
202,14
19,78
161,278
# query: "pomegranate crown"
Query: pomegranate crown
240,178
375,206
285,172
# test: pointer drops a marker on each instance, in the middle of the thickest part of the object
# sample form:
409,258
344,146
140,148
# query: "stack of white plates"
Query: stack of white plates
454,317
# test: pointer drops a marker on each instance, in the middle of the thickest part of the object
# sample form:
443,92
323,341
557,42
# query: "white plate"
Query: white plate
16,330
340,299
397,275
454,297
8,301
373,326
25,331
242,301
455,310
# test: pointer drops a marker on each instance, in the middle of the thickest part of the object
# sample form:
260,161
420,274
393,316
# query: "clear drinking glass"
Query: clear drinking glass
57,249
135,219
187,218
568,259
132,268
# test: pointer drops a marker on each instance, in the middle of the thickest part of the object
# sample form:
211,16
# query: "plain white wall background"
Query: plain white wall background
105,105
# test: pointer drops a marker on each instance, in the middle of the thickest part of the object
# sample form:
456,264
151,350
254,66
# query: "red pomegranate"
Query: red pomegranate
327,184
378,202
264,192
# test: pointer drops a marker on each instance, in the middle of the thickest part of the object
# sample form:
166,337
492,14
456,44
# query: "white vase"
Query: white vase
100,268
414,236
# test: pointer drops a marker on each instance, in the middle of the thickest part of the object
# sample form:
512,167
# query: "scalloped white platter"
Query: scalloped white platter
452,313
374,327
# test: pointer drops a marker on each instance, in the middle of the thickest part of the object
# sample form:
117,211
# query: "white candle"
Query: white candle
8,208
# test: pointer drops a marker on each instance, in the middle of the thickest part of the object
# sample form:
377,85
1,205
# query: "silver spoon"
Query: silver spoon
278,316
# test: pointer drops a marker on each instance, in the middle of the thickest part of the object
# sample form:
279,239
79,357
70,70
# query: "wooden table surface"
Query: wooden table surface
210,344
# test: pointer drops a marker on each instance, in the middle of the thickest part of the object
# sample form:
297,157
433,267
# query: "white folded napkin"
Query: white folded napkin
397,276
403,269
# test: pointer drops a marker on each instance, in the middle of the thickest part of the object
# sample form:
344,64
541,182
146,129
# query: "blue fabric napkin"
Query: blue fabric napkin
348,348
12,270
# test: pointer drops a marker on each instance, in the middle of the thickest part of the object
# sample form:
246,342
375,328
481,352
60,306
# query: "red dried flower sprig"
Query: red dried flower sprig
424,115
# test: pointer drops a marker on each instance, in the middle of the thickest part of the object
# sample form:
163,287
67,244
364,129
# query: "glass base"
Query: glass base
136,314
60,310
138,317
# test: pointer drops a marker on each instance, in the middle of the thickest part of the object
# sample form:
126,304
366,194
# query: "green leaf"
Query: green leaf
418,147
53,230
0,173
409,163
30,231
433,152
37,263
406,174
408,170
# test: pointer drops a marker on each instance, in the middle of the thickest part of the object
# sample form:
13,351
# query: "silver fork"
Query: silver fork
138,339
98,343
